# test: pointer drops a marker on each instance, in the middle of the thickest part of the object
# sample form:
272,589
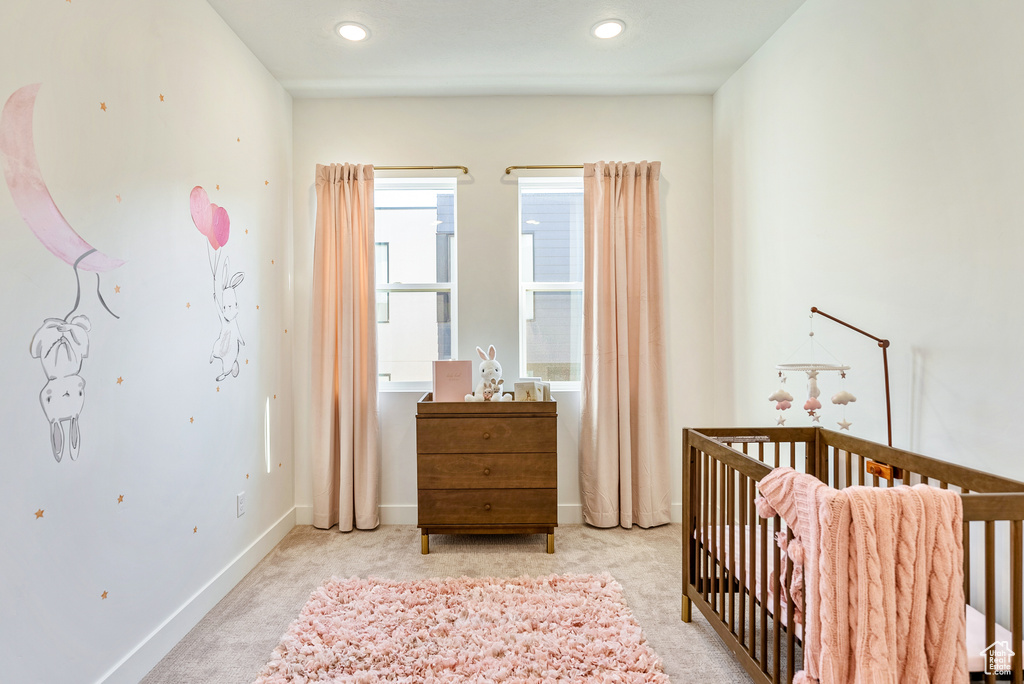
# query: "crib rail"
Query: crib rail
735,573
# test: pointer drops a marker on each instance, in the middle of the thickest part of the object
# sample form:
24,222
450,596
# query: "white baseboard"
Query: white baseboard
134,666
391,514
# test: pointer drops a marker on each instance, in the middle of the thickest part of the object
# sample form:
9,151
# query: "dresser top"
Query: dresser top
427,406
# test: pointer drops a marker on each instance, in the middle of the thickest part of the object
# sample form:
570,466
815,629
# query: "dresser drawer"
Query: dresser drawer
485,434
488,506
487,471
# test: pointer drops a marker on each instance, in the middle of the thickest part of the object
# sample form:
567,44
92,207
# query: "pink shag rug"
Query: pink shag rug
567,628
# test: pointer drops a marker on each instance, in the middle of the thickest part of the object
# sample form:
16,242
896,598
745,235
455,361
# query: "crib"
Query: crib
733,571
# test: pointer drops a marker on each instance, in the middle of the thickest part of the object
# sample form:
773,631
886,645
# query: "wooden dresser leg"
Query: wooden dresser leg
424,543
687,607
551,542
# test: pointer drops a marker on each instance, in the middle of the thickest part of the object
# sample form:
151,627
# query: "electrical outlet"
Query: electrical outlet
240,503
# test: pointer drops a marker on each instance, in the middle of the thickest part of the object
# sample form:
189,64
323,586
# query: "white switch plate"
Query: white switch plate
240,502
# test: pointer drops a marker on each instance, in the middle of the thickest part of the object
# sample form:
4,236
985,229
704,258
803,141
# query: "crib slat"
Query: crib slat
730,525
714,535
967,558
723,570
776,600
990,589
860,470
1016,607
700,537
742,583
752,536
706,542
849,468
790,616
764,595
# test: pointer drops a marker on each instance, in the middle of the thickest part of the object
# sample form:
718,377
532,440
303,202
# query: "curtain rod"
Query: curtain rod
419,168
557,166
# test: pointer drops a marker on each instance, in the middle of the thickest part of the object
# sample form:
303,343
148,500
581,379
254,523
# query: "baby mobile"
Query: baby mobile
813,406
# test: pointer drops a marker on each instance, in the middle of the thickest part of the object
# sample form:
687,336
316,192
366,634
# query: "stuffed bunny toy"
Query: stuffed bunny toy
490,378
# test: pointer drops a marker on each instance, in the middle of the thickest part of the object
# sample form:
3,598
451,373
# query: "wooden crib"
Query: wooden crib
733,569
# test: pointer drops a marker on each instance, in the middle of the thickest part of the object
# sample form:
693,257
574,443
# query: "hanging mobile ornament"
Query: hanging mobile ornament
783,399
842,397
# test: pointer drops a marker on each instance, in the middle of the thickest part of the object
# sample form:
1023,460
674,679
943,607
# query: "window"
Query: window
551,278
414,226
381,272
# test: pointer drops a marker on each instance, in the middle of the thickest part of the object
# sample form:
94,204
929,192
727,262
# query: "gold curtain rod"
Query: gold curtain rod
557,166
419,168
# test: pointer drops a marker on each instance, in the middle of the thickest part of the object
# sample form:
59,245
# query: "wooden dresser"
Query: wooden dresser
487,468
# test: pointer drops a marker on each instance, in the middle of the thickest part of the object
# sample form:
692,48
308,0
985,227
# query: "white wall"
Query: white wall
869,161
122,178
488,134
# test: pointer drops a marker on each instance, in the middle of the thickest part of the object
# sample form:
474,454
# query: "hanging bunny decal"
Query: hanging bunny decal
213,222
61,345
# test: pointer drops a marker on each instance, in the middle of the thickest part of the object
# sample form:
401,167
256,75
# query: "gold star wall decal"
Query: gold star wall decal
161,97
247,476
266,182
188,305
120,499
103,596
103,106
271,262
118,198
238,139
120,380
246,231
275,396
218,388
247,362
218,187
195,529
39,514
117,289
257,307
192,419
278,465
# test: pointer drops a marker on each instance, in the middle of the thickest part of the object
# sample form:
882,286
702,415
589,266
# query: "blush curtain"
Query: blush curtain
624,459
346,457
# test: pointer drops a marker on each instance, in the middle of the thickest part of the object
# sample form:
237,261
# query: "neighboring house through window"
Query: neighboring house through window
414,226
551,278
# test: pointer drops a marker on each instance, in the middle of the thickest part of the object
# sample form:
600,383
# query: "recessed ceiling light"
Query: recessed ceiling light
352,31
608,29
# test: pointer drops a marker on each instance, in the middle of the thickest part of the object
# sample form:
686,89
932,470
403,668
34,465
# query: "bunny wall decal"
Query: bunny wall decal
213,222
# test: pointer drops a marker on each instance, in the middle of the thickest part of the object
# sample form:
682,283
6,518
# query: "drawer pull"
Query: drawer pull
487,435
487,507
487,471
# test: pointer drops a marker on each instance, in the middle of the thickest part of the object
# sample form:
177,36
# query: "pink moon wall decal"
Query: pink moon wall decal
28,189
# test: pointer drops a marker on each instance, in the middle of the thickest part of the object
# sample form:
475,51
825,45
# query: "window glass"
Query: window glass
414,228
551,277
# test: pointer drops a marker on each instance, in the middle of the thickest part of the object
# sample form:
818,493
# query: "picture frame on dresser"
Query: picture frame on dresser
486,468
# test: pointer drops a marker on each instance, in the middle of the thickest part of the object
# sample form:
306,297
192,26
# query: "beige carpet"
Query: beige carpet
234,641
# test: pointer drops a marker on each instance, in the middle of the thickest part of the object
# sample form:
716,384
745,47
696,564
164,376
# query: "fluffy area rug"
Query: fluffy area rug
566,628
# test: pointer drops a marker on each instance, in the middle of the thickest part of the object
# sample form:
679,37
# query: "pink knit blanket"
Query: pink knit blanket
883,579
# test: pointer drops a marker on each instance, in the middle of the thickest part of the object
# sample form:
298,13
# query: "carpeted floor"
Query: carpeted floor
234,641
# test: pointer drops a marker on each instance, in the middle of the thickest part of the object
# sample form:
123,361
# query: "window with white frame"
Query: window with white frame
414,229
551,278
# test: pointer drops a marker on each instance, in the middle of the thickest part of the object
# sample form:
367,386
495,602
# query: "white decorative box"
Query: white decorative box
530,390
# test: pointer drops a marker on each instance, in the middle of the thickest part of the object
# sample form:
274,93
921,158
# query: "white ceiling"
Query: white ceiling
503,47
